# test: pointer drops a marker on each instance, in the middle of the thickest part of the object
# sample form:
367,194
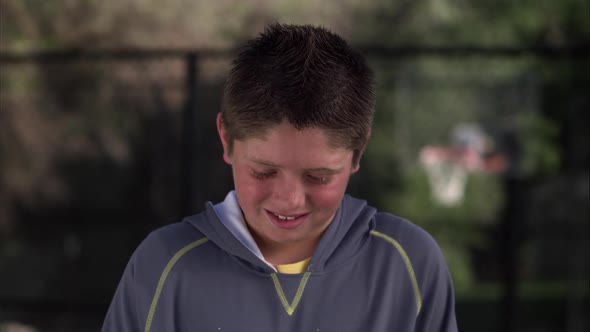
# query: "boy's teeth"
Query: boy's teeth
284,217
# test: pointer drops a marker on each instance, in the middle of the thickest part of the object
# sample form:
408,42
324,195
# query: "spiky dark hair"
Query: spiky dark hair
305,74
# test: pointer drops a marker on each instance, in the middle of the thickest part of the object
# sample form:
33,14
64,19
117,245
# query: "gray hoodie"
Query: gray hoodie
370,272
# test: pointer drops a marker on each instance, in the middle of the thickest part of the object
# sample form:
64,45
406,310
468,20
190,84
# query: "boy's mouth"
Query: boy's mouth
287,221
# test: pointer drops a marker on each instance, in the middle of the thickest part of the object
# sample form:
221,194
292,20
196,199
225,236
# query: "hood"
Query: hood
342,239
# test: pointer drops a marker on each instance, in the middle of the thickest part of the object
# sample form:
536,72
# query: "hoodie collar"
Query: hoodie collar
230,215
224,225
345,235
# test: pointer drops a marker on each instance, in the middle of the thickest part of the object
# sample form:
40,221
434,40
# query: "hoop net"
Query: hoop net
447,172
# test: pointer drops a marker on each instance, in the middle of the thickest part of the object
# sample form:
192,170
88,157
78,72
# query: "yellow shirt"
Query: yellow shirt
293,268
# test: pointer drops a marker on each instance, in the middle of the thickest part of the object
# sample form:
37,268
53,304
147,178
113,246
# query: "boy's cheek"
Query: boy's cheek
250,188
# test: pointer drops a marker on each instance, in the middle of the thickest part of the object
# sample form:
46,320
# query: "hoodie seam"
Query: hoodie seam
407,263
290,307
164,276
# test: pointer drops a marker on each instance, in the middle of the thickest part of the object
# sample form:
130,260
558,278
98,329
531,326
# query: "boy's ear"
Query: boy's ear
356,167
224,140
357,164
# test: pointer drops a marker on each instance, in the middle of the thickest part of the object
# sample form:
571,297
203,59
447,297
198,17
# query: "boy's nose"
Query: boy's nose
290,195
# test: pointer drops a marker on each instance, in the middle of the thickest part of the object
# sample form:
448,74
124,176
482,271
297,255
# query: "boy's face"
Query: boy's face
289,183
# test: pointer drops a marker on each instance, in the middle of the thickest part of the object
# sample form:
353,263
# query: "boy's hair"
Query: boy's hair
306,75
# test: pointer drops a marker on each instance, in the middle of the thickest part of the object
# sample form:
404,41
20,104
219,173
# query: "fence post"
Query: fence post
189,135
512,218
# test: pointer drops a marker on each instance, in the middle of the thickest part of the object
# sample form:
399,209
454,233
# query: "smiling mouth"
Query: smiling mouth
287,221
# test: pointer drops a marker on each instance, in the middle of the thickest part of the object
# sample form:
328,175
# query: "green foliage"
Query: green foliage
482,201
484,22
540,150
420,103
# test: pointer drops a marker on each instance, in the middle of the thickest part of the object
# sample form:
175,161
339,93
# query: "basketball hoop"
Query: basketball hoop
448,167
447,176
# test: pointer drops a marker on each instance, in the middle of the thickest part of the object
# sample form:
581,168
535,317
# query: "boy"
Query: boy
288,250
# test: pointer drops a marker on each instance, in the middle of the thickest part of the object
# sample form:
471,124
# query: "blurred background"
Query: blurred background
481,137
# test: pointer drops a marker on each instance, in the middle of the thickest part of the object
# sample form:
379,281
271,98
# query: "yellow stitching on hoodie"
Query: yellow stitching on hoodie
290,308
408,267
173,260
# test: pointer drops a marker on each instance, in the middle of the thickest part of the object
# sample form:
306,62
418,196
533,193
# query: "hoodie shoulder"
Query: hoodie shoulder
411,236
170,238
148,266
422,250
427,268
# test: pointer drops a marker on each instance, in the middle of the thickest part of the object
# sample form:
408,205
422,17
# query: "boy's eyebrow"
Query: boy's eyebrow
326,170
318,169
262,162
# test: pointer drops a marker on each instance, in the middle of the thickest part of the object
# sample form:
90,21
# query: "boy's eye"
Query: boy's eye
317,179
262,175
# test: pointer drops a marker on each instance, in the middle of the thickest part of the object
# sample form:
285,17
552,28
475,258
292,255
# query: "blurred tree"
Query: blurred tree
422,99
484,22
